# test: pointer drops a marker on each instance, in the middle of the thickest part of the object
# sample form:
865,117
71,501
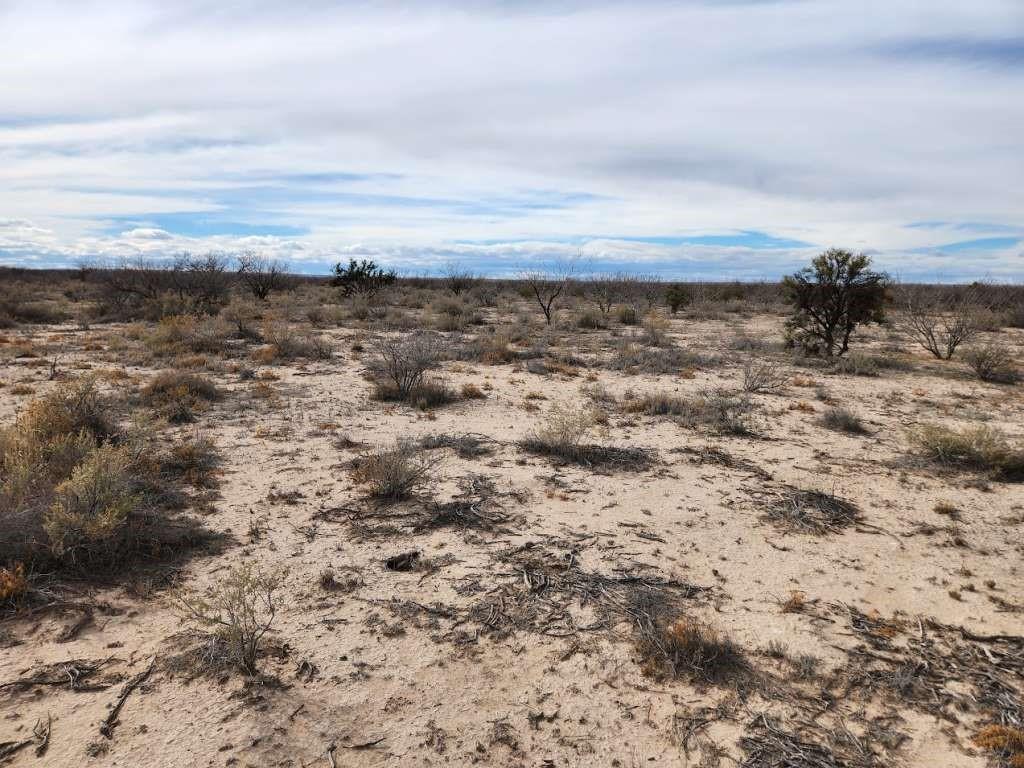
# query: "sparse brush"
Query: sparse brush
394,473
239,611
843,420
763,377
982,448
177,396
993,363
812,512
194,459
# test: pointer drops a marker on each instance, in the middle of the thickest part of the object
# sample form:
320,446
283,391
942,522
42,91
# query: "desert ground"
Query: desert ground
626,539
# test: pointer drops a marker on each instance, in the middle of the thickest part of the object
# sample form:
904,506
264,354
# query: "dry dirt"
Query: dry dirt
474,658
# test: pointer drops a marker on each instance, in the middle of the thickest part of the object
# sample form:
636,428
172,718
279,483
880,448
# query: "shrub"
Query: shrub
992,363
471,391
288,343
91,507
361,278
693,649
655,330
763,377
404,361
983,448
177,396
562,432
725,411
627,314
395,473
677,297
838,292
590,320
13,585
239,612
843,420
939,324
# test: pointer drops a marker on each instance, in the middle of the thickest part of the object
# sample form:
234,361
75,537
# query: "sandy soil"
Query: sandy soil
401,670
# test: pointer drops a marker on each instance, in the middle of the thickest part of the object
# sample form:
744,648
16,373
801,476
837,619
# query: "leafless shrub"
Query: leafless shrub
763,377
177,395
394,473
938,322
690,648
404,360
562,433
545,287
262,275
457,279
993,363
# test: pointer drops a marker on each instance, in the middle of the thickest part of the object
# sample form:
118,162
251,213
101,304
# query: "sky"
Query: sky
728,139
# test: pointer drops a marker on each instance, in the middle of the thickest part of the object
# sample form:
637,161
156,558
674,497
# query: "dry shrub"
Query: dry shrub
179,334
403,361
655,330
394,473
982,448
284,343
992,363
177,396
1005,741
763,377
562,432
77,493
843,420
659,404
492,350
239,612
471,391
13,585
194,459
692,649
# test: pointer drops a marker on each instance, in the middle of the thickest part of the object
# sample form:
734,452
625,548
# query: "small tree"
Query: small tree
605,291
361,278
547,286
404,360
677,297
261,275
830,298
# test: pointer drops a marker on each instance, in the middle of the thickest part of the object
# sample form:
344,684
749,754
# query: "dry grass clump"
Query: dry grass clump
843,420
395,473
562,433
690,648
285,342
75,492
812,512
633,358
181,334
981,448
993,363
194,459
1005,741
492,349
720,410
178,396
471,391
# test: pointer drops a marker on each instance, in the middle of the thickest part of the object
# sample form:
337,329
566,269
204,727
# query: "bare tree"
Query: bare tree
546,286
606,291
262,275
458,280
940,321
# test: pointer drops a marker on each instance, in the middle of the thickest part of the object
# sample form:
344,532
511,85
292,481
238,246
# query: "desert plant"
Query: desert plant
547,287
690,648
677,297
939,324
403,361
457,279
363,278
562,431
177,396
262,275
763,377
992,363
239,611
394,473
837,293
983,448
843,420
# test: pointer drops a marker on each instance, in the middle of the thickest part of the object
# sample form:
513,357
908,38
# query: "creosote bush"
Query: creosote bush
763,377
403,361
239,612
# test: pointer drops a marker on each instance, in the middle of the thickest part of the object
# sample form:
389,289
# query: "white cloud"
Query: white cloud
525,123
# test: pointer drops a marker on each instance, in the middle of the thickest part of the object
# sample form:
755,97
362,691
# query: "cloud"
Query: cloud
480,129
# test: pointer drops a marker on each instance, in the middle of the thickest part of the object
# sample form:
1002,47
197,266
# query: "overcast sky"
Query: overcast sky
724,139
